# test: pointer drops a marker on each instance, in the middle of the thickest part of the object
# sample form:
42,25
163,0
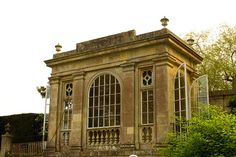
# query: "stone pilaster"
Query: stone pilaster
163,100
76,130
128,107
54,118
6,141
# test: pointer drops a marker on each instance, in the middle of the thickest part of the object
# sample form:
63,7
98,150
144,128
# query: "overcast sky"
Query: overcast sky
29,30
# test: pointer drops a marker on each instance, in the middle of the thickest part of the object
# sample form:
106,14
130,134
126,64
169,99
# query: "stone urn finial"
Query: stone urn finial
164,21
58,48
7,128
190,41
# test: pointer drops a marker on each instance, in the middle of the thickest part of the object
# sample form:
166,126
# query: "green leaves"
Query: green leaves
211,134
218,49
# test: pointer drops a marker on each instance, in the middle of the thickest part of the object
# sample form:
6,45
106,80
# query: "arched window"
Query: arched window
199,94
181,104
104,102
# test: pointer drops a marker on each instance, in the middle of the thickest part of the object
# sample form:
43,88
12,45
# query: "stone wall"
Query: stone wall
221,97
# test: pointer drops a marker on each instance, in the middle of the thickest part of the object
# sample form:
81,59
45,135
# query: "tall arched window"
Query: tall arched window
104,102
181,104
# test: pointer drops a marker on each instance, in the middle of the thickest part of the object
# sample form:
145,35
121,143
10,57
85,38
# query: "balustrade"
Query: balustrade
65,136
146,134
103,136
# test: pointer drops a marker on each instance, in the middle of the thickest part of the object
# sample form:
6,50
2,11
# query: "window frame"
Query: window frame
104,100
147,88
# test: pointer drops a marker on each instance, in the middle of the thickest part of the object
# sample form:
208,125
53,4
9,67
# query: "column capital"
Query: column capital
128,66
78,75
54,80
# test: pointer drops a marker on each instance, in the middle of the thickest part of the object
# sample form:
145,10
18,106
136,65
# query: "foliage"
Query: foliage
232,105
24,127
211,134
218,48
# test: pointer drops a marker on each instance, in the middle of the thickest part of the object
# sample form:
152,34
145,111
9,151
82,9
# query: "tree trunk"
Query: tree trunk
234,83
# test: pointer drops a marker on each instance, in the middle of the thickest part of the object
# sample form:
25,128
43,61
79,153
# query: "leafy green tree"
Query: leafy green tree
218,49
211,134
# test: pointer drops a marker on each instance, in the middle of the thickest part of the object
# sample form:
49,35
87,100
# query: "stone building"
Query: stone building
116,95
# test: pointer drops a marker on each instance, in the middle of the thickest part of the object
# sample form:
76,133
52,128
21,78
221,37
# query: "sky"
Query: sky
29,30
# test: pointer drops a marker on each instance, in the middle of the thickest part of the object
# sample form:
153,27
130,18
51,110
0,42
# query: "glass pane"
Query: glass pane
144,73
112,101
150,118
144,107
150,107
182,84
118,99
176,106
107,100
183,106
107,89
112,79
96,101
100,122
96,82
112,110
144,95
101,90
106,111
91,92
90,122
117,88
117,120
182,93
112,120
96,91
101,101
117,109
95,111
176,94
107,79
102,80
183,115
177,114
176,83
144,83
150,95
113,89
100,111
90,102
144,118
106,121
95,122
90,112
150,82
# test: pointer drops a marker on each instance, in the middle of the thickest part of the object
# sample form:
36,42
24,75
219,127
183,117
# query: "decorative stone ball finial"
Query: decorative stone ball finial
190,41
164,21
58,48
7,128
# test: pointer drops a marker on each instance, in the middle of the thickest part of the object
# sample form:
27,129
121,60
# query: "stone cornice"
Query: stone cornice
157,37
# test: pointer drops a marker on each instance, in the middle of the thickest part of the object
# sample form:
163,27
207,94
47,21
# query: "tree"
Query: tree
218,49
210,134
232,105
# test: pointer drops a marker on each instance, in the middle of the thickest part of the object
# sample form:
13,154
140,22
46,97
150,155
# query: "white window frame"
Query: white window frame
199,93
114,101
